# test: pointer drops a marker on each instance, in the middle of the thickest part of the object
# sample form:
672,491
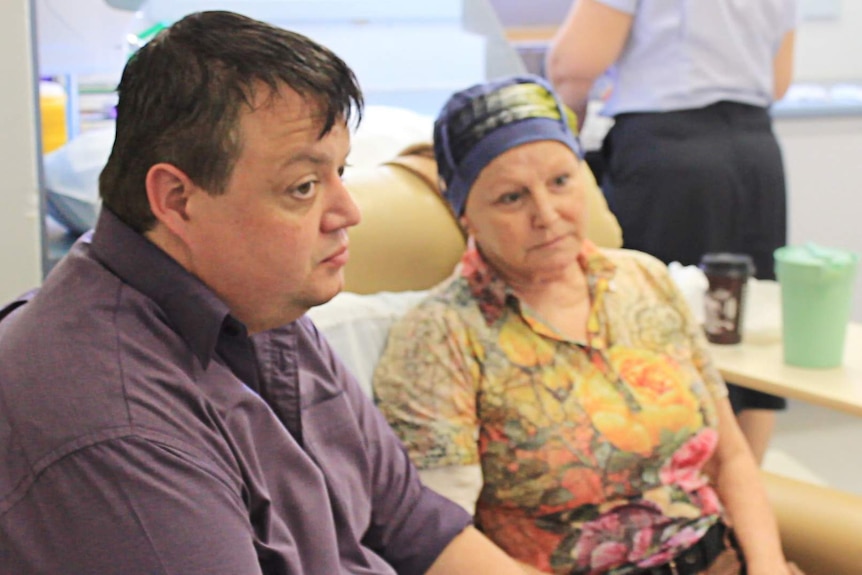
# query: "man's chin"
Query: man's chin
324,294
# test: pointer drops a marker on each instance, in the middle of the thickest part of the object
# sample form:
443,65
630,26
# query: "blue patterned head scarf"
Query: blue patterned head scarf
478,124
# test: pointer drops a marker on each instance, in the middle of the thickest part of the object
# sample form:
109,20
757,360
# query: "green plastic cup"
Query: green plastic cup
816,297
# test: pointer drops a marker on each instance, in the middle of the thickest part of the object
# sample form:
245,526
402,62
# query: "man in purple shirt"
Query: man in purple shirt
164,405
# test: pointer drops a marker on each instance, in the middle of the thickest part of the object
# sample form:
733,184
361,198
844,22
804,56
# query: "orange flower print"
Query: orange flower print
625,432
659,388
522,347
584,484
655,379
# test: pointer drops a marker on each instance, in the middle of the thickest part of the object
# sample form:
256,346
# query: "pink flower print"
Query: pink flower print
471,261
709,502
605,542
683,539
607,555
684,468
659,558
641,545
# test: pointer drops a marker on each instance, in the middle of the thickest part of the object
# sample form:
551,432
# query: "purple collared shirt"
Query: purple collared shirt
142,431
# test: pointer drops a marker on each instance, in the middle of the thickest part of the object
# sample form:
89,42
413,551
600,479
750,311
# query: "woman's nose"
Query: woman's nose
545,210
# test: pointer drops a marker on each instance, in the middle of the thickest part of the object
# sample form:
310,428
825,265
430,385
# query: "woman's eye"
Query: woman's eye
305,190
562,180
509,198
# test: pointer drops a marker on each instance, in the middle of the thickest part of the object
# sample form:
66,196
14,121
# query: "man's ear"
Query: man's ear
168,191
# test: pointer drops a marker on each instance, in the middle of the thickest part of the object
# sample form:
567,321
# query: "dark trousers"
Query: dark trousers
695,181
690,182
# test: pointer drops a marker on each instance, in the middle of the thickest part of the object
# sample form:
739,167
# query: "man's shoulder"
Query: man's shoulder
8,308
70,318
53,317
66,355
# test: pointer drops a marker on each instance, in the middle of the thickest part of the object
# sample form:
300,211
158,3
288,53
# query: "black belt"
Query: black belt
699,556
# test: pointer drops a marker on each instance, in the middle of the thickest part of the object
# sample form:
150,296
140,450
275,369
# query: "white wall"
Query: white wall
20,229
827,50
824,172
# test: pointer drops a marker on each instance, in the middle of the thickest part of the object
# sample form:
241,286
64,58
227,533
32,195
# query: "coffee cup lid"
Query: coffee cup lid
727,263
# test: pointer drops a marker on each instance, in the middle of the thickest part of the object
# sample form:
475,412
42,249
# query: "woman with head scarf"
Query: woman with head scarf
564,392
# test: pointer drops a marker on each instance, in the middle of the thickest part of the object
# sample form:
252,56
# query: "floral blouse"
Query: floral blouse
592,452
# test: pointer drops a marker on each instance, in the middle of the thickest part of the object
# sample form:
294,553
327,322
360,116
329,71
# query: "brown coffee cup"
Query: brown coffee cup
724,300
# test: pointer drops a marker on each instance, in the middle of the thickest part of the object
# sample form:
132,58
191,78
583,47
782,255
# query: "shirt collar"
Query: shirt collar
491,292
190,307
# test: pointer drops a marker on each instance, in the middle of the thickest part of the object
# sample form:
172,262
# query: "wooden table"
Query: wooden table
761,366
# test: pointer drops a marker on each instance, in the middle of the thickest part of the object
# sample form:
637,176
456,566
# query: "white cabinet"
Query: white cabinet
20,221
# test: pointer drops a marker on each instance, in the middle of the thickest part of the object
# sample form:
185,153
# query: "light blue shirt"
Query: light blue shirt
684,54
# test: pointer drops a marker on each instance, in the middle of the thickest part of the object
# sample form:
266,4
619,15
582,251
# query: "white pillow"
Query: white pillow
384,132
356,326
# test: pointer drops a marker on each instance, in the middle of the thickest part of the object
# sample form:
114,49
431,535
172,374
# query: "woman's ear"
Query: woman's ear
465,225
168,191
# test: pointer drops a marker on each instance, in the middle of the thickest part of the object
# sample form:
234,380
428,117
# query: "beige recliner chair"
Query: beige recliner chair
409,240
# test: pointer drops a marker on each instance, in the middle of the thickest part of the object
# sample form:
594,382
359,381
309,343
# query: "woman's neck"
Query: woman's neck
562,301
566,287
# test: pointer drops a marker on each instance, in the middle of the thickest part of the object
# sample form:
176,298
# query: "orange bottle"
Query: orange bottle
52,105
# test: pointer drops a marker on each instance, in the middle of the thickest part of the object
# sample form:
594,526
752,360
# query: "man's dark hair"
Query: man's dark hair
181,95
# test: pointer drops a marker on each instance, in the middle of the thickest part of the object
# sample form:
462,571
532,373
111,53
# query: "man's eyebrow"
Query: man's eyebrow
305,156
309,157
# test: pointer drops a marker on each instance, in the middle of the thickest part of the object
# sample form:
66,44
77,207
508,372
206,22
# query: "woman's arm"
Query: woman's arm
471,553
741,490
783,66
426,385
590,39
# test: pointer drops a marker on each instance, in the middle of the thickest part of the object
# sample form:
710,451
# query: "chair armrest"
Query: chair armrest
820,527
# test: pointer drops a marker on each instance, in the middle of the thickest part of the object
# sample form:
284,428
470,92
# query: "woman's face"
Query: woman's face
526,211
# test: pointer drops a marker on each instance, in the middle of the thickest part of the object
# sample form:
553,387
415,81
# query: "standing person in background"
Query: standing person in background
691,164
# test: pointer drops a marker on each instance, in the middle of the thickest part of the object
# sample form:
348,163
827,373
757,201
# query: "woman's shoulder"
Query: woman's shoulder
444,322
448,301
627,260
639,274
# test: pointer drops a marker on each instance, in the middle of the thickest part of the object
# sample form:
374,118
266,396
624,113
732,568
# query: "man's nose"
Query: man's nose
344,209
